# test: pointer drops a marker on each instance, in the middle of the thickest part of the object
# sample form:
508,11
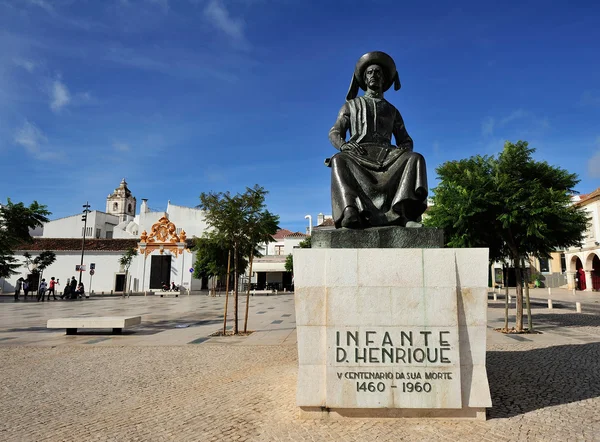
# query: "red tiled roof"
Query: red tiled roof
281,233
73,244
297,235
327,223
589,197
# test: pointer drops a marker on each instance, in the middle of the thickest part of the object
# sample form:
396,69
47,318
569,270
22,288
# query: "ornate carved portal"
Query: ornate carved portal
163,237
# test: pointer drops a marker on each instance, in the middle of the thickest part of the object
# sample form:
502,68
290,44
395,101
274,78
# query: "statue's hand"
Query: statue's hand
353,146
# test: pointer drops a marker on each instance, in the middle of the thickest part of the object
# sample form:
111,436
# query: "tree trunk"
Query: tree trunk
505,279
519,293
235,293
527,302
124,284
227,292
248,293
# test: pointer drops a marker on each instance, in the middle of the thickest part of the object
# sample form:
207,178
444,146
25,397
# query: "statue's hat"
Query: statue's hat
370,58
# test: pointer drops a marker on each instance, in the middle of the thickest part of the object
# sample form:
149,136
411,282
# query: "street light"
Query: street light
86,210
309,218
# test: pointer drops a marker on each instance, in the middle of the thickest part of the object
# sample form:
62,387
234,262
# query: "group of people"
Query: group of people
72,289
166,288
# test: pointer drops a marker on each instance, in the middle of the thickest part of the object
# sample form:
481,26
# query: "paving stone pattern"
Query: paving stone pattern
152,385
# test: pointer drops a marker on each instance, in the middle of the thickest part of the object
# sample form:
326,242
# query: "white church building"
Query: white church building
163,240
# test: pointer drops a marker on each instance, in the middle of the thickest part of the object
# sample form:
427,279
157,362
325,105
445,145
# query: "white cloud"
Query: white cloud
590,98
42,4
487,127
163,4
28,65
121,147
35,143
593,165
59,96
30,137
218,14
527,122
515,115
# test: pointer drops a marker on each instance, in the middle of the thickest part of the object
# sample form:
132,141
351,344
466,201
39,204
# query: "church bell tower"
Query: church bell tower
121,203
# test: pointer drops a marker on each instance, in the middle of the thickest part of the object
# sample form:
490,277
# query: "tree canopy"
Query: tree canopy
211,257
512,204
239,223
15,222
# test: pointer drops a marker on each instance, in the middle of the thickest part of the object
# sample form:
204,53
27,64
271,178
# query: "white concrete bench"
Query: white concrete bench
263,292
117,323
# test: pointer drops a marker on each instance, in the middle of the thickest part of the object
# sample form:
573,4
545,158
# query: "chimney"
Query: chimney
144,206
320,219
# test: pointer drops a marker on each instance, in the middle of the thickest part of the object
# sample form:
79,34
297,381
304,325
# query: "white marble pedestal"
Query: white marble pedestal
391,332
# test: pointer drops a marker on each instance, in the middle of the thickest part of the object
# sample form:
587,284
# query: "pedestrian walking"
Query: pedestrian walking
25,288
73,288
42,290
51,288
18,286
66,290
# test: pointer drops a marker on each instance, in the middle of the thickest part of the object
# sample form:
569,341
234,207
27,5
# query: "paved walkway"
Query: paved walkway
165,321
162,383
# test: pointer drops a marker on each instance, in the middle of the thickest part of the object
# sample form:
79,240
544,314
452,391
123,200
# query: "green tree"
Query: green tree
15,222
211,257
234,219
40,262
125,260
512,204
289,260
289,263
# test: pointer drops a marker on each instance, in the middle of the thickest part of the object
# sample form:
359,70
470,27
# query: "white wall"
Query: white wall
71,226
291,243
592,234
187,218
107,268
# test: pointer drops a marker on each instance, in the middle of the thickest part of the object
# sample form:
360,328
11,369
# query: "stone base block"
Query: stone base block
392,332
390,413
389,237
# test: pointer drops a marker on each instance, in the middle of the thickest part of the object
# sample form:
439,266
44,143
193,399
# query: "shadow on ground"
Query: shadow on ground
524,381
534,304
149,328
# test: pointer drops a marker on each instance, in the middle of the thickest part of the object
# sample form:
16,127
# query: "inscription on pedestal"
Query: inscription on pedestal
412,367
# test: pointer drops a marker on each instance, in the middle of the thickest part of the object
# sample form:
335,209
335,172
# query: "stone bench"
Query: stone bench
117,323
263,292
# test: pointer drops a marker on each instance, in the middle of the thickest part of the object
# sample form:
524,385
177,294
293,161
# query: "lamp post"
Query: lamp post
86,210
309,218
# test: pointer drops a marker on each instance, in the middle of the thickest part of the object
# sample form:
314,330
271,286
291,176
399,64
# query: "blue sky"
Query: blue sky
186,96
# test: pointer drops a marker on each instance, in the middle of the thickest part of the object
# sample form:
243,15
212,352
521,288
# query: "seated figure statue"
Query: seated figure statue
374,183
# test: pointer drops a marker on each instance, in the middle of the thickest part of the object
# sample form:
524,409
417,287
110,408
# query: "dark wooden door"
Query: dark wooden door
119,283
287,280
261,280
160,271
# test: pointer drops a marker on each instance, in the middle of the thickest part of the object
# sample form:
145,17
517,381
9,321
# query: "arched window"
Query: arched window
129,208
116,206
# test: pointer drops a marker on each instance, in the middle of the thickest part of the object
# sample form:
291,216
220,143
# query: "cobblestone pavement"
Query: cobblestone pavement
544,387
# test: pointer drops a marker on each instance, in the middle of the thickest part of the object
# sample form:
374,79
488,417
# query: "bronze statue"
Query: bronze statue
374,183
